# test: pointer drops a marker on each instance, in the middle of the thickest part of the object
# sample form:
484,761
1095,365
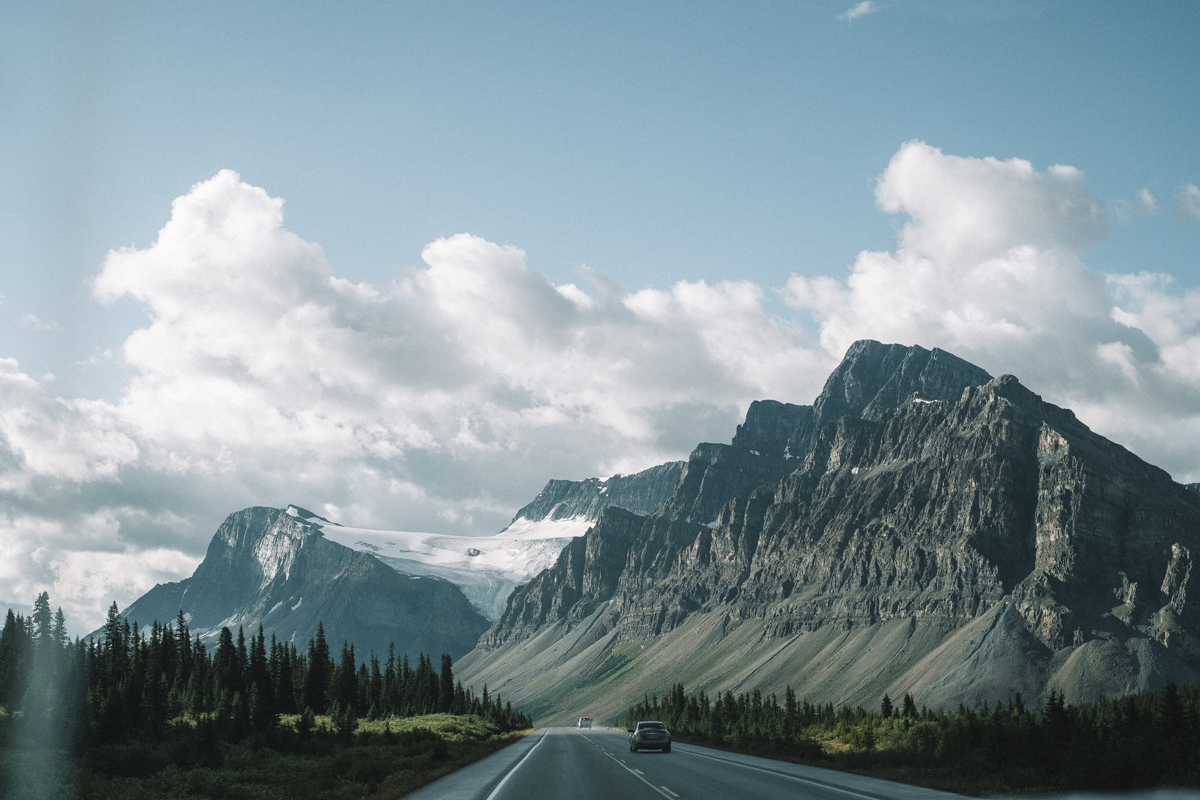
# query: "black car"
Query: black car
650,735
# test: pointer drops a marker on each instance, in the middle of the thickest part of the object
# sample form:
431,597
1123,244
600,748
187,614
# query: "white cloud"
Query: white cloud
1143,204
446,398
48,439
858,11
1187,203
33,322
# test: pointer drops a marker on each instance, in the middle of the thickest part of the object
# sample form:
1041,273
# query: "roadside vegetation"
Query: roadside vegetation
1135,742
152,714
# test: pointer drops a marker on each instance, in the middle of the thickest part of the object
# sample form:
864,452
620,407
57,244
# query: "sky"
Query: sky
402,263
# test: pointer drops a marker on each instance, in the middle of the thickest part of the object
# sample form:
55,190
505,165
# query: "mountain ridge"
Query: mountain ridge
966,516
288,569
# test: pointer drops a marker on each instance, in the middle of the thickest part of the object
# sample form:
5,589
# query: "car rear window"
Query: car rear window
644,725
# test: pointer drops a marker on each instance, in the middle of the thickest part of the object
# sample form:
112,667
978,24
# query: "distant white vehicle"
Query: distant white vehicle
585,722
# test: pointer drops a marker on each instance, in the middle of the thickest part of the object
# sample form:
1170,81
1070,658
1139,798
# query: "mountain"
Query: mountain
288,568
922,527
275,568
568,505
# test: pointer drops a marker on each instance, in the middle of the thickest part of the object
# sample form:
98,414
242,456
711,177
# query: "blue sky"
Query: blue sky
654,142
734,176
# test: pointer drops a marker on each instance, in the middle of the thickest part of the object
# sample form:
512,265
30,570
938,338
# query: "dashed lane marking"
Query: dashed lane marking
635,773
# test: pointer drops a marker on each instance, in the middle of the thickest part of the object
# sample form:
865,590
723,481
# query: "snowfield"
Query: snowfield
485,568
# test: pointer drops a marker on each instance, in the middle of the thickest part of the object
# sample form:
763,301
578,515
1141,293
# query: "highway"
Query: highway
595,764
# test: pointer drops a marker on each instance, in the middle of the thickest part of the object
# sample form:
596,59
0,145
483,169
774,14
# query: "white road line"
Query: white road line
780,774
668,791
513,771
635,774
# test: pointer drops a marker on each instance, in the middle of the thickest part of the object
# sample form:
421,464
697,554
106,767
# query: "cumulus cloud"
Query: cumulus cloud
47,442
858,11
446,398
1187,203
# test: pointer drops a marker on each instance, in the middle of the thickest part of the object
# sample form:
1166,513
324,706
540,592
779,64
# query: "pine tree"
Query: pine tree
13,645
446,685
910,707
316,680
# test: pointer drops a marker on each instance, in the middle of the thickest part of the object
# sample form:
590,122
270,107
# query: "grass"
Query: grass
610,666
371,766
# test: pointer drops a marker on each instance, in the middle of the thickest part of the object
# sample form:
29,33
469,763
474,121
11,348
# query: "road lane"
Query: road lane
596,764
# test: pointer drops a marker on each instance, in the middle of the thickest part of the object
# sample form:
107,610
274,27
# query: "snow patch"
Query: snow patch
526,529
301,600
274,608
485,568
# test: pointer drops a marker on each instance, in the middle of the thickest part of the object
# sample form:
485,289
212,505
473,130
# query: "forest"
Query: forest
1136,741
160,696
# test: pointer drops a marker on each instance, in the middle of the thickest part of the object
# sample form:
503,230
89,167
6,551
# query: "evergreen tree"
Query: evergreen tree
13,646
446,685
320,668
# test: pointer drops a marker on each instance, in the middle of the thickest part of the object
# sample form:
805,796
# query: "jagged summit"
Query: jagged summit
871,381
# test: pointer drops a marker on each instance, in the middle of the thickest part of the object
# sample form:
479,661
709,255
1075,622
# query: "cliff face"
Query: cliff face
921,528
266,566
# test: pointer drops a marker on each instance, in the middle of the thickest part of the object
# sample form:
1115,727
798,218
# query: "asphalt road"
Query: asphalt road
597,765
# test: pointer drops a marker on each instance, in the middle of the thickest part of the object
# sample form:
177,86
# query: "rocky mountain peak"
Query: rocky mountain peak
276,568
944,533
874,379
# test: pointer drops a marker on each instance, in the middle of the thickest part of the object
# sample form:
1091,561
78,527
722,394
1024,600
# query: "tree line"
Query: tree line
1136,741
134,682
